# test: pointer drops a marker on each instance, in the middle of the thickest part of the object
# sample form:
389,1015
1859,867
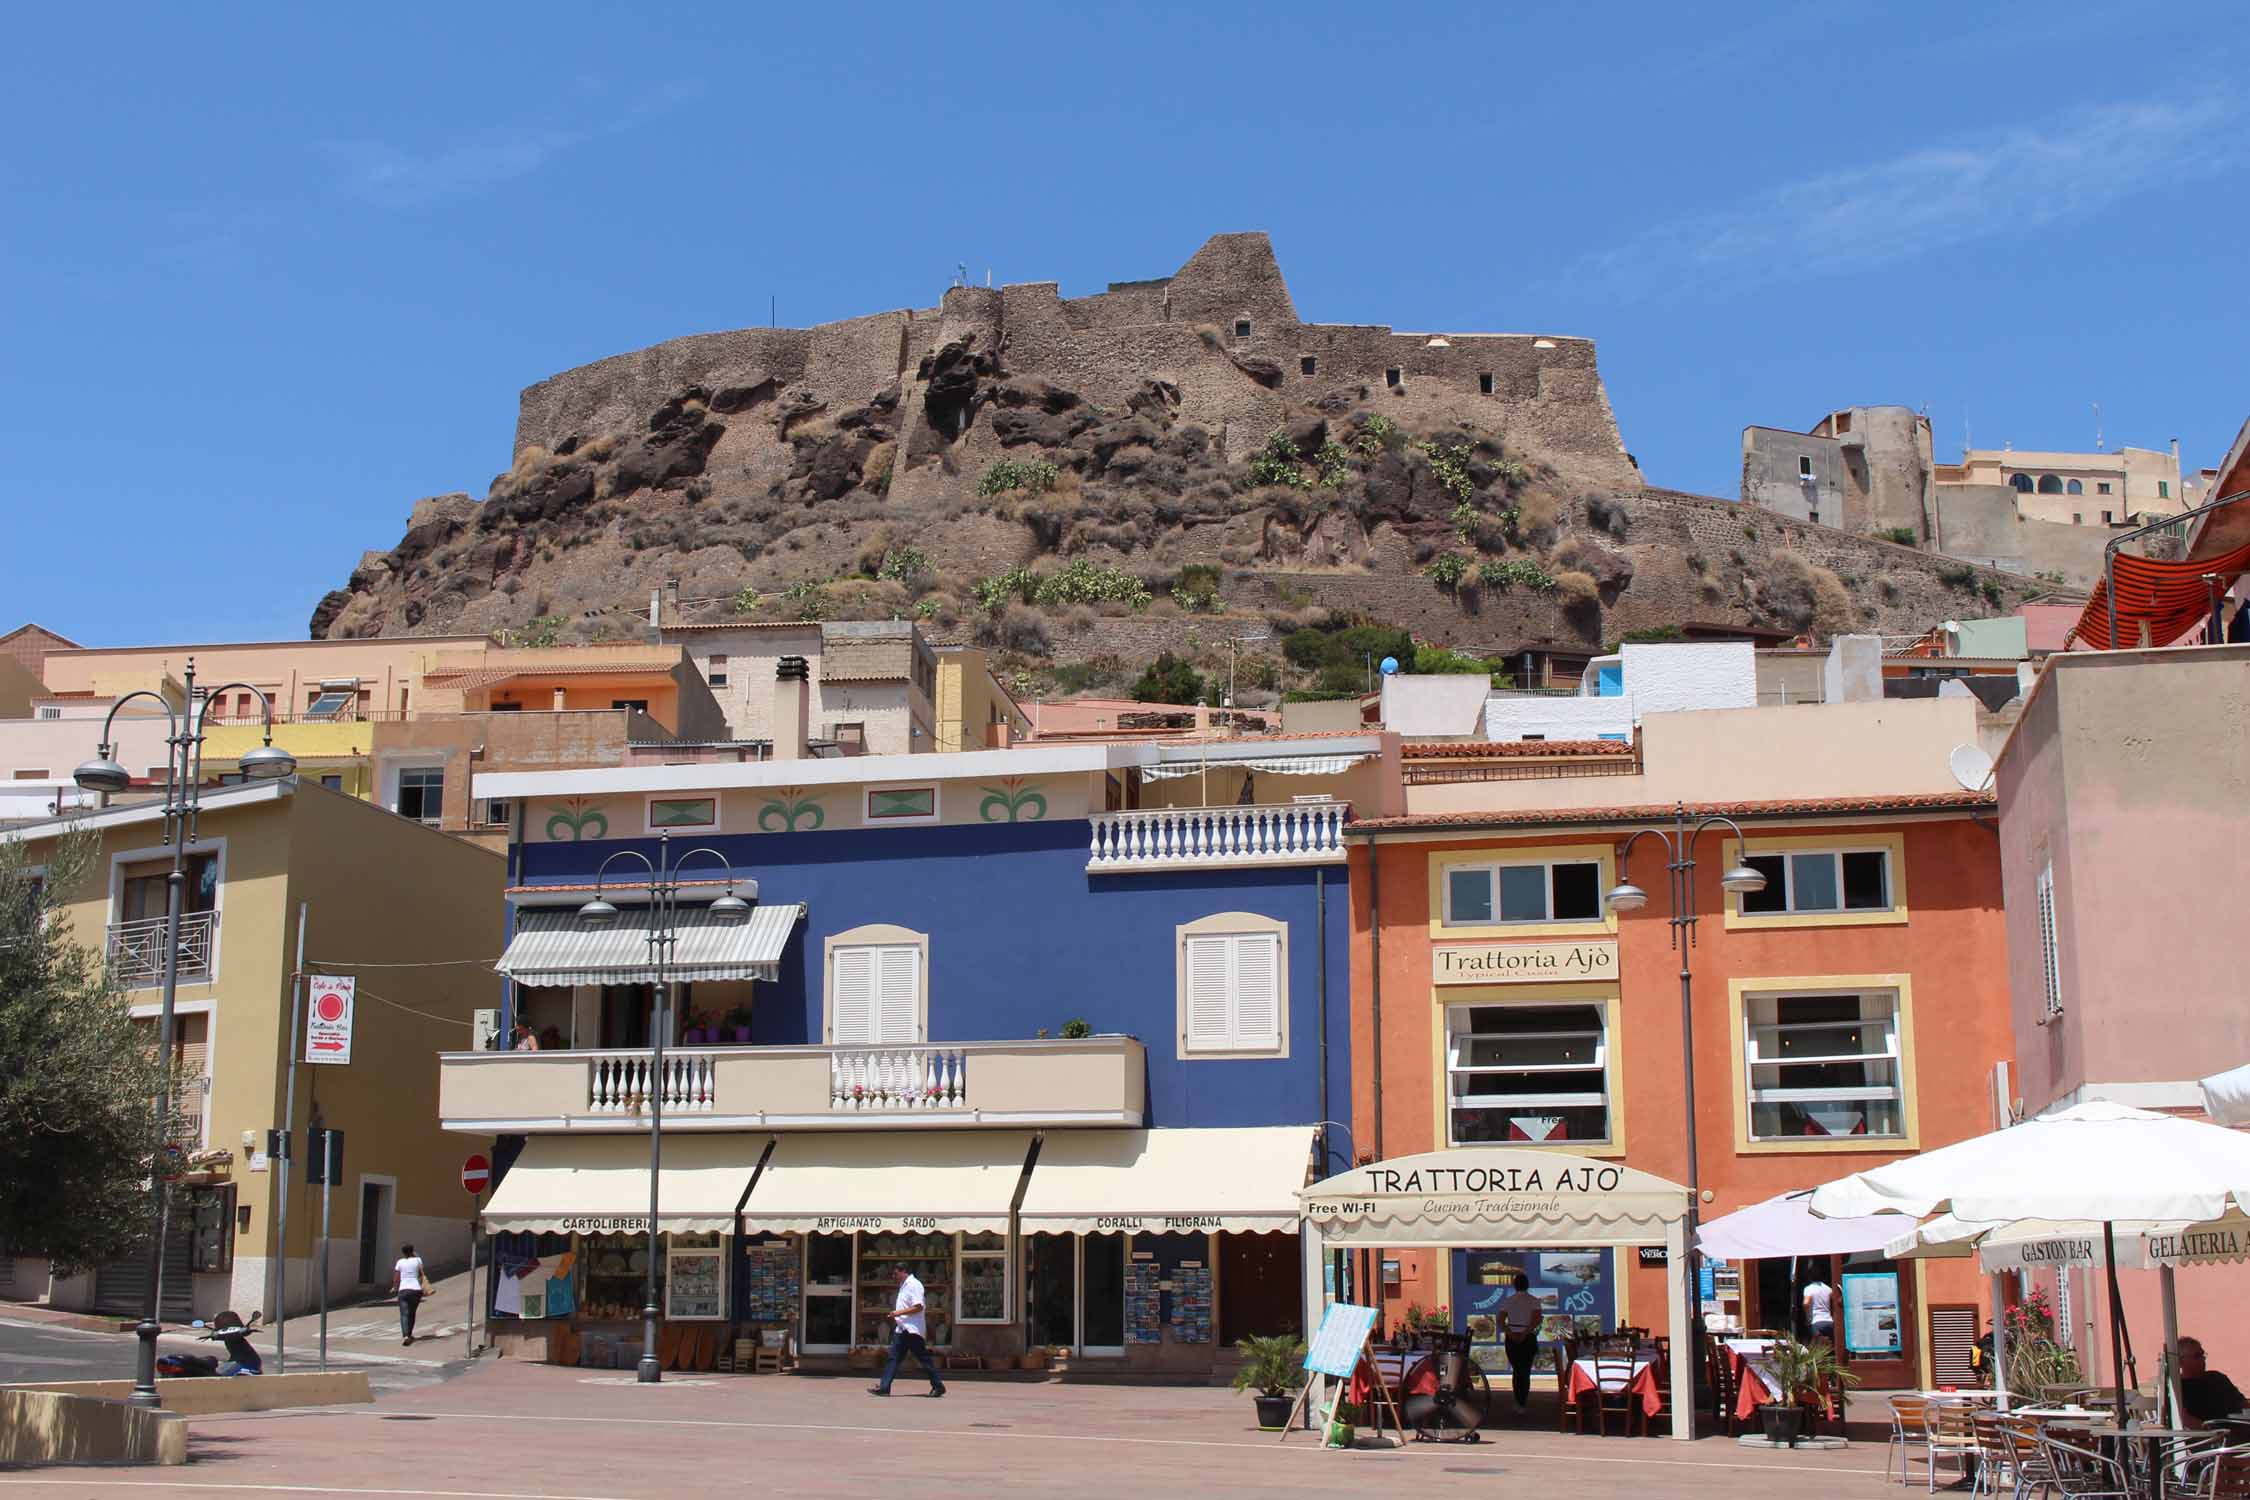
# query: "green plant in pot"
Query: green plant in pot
737,1020
1802,1376
1273,1365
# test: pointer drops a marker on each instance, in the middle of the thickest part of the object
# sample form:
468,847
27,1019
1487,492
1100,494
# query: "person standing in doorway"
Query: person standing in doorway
910,1330
1520,1319
1820,1311
407,1284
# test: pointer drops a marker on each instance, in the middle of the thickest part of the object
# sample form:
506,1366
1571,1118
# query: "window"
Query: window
334,781
1308,365
1824,1065
1804,467
507,706
1490,895
2021,482
50,713
1394,377
1242,328
141,889
1527,1073
699,814
1232,986
2108,519
421,793
29,774
637,705
716,672
2077,518
1814,517
1843,422
1822,880
2102,488
984,1278
2050,945
902,804
1484,383
330,702
875,993
498,812
2050,484
2164,489
2073,487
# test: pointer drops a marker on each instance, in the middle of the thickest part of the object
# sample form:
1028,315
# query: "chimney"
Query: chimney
1853,672
792,707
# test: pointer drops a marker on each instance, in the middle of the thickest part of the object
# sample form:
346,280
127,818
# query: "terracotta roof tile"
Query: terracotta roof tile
1483,749
863,677
1908,802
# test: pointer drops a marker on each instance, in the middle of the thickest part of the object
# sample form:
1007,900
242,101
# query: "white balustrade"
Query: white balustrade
628,1083
889,1079
1289,833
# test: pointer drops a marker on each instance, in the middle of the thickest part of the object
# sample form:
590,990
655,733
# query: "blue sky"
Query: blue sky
269,276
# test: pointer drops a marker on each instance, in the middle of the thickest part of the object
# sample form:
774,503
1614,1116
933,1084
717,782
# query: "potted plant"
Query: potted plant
1273,1365
1803,1375
738,1021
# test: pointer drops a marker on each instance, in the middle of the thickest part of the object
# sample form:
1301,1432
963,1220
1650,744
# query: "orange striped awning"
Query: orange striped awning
2168,599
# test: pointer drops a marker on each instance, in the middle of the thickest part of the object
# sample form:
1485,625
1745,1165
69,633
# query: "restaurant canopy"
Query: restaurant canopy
552,946
1785,1225
916,1181
598,1184
1240,1181
2033,1244
2156,602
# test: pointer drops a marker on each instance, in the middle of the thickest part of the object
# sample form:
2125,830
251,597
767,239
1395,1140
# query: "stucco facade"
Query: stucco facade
289,672
1862,468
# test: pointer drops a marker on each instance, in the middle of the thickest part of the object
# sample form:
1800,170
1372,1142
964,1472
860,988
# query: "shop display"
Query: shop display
615,1277
984,1278
929,1257
695,1279
771,1289
1144,1300
1191,1303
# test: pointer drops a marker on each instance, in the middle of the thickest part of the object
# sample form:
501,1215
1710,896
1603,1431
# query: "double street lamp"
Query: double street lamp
183,771
1679,843
663,936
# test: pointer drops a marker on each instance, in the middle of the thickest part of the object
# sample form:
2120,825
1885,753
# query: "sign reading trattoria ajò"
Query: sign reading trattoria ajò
1523,963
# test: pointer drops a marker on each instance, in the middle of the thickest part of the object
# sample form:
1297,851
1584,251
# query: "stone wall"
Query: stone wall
1870,470
1983,523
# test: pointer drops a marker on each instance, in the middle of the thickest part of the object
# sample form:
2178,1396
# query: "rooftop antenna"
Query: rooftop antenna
960,273
2097,427
988,278
773,310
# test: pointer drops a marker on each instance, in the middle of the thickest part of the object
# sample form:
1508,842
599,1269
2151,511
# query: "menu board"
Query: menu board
1871,1313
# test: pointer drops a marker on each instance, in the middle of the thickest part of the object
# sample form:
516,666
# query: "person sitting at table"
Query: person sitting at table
2205,1394
1520,1319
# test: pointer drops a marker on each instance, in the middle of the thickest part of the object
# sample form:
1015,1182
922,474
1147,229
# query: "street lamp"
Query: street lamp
1625,896
183,770
663,935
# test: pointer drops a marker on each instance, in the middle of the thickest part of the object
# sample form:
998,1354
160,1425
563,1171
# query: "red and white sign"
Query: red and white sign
476,1172
328,1019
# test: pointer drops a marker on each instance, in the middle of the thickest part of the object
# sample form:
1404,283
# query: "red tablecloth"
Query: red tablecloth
1646,1383
1752,1390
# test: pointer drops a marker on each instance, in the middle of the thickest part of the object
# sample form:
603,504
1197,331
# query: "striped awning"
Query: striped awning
1271,765
553,947
2166,599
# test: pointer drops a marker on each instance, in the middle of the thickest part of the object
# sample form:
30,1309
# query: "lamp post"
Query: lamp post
183,769
1679,843
663,935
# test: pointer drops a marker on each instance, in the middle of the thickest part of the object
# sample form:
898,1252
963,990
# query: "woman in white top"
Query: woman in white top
1820,1311
407,1284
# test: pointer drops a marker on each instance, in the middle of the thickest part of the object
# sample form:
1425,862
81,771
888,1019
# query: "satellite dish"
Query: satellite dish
1972,767
1390,666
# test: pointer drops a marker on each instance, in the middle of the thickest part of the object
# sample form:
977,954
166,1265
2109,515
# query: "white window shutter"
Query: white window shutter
852,1005
898,1018
1257,991
1209,1022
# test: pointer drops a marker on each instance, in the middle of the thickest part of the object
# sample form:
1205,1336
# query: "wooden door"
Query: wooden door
1261,1285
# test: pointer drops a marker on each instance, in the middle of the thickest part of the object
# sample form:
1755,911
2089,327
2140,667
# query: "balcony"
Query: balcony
136,949
1096,1081
1188,838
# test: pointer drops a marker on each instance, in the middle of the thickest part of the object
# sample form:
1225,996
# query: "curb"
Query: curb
33,1312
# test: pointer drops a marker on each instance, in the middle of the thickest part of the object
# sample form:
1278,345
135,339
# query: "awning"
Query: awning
2168,599
598,1184
1270,765
553,947
924,1182
2032,1244
1494,1196
1165,1181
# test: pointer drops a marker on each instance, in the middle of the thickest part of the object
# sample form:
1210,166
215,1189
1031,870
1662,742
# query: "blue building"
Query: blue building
1057,1027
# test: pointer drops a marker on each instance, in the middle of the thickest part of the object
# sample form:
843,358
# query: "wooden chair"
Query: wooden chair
1570,1416
1910,1432
1952,1437
1726,1391
1611,1377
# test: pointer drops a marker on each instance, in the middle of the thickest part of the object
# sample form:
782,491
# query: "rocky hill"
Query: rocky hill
1083,483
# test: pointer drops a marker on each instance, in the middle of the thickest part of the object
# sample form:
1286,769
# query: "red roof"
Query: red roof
1484,749
1908,802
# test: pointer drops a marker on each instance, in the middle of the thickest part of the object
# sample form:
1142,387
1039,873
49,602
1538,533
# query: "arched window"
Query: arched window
2022,482
2074,488
2050,485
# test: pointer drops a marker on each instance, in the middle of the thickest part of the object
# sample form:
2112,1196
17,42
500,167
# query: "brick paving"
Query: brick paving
508,1431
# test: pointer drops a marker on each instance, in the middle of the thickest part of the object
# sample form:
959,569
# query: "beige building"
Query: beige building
378,895
2077,489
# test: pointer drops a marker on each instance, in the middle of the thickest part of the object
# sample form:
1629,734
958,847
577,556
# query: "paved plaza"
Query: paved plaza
508,1431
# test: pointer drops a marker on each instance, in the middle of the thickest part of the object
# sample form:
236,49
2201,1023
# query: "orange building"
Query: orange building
1852,1012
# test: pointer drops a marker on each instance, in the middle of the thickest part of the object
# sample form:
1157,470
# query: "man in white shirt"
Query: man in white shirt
407,1286
909,1334
1820,1311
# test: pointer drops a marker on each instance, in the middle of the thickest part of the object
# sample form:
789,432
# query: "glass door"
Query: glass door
1103,1280
1050,1289
828,1292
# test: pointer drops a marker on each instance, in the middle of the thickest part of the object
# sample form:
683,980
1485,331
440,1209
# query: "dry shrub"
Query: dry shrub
875,470
1575,589
1016,629
1537,512
1806,594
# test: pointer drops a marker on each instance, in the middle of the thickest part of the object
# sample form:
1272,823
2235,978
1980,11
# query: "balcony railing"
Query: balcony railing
136,949
1090,1081
1175,838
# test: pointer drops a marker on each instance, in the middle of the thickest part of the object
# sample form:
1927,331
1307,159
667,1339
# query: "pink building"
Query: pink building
2124,821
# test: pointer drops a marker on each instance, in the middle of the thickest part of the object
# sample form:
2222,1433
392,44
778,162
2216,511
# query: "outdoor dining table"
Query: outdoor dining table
1646,1382
2145,1460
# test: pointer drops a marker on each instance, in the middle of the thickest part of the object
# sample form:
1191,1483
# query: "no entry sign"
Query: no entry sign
328,1020
476,1172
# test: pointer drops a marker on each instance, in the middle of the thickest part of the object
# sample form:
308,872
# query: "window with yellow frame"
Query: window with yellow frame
1547,892
1823,882
1824,1063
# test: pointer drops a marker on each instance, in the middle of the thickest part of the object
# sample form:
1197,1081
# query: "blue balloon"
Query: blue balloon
1390,665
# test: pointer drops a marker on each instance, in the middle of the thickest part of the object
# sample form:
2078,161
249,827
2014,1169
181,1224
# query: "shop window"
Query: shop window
1823,1065
421,793
984,1278
876,989
929,1257
1527,1073
1233,986
2021,483
1495,895
2050,943
1820,881
612,1276
695,1278
683,814
715,672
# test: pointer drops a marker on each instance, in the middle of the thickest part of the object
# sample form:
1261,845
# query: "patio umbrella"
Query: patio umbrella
2226,1096
2101,1163
1786,1226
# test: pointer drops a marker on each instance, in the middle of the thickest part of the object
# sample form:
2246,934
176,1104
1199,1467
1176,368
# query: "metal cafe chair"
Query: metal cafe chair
2079,1471
1952,1437
1910,1432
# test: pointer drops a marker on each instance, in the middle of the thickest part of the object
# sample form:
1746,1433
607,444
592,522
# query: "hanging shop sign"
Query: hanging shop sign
328,1018
1523,963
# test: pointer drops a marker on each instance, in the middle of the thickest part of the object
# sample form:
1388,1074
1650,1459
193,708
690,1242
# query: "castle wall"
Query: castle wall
1983,523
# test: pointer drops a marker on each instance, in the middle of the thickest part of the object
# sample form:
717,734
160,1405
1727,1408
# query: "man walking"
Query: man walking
1521,1318
909,1334
407,1286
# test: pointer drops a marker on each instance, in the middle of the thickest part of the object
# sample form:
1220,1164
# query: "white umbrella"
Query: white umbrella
1786,1226
2101,1163
2226,1096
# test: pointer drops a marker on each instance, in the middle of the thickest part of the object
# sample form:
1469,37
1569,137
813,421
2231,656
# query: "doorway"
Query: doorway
1261,1285
374,1228
1104,1282
828,1292
1876,1314
1050,1289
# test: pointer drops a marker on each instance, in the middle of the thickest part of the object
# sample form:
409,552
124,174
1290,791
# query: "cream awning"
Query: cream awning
1173,769
930,1182
552,947
1497,1196
1165,1181
598,1184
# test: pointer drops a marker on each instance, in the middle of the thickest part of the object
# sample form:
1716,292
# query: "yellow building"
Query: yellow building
974,712
379,895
